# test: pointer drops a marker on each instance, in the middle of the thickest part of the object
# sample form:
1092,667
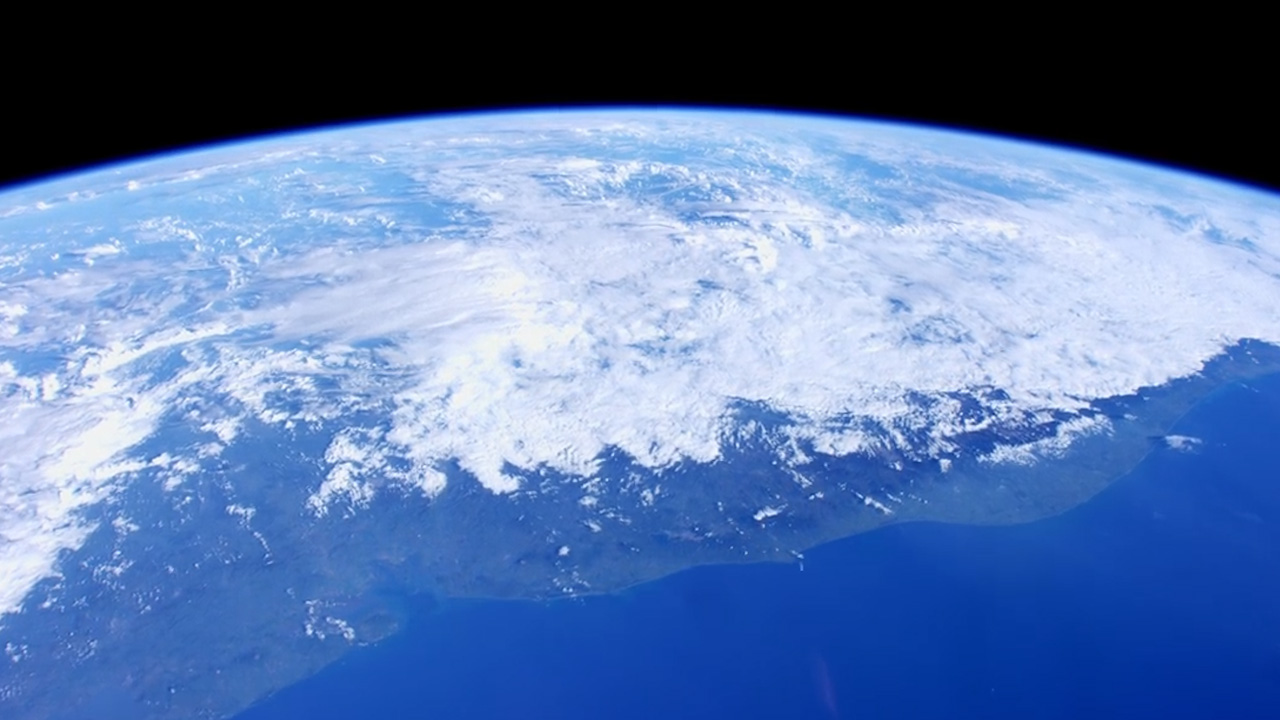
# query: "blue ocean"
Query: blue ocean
1158,598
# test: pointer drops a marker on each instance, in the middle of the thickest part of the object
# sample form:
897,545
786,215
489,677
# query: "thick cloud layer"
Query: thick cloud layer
530,292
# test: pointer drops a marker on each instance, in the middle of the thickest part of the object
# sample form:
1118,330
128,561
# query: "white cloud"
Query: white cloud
873,503
1053,446
1182,443
596,299
766,512
567,327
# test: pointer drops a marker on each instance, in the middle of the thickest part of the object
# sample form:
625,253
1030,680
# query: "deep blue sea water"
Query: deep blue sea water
1158,598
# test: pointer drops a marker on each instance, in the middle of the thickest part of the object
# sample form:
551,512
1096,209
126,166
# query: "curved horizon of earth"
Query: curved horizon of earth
254,393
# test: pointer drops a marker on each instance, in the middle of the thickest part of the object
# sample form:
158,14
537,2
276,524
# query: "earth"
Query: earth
255,395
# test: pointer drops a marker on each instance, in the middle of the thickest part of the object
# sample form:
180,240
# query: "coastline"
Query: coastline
377,589
992,621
